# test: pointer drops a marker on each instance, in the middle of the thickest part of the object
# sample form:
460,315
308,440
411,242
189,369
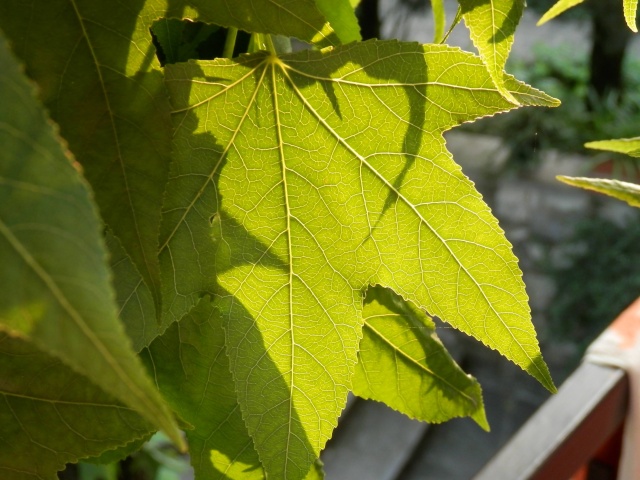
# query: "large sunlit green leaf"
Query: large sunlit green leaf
50,415
492,24
300,18
403,364
94,67
316,175
625,191
559,7
630,9
629,146
54,277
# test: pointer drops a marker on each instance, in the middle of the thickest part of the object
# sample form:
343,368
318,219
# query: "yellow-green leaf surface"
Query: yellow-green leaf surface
191,369
403,364
559,7
94,65
54,277
625,191
492,24
302,19
629,146
630,9
300,180
50,415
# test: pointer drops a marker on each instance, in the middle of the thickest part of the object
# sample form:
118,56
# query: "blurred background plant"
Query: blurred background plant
600,279
582,117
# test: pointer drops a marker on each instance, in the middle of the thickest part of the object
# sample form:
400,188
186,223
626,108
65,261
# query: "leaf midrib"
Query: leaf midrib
120,158
66,305
410,359
287,208
409,204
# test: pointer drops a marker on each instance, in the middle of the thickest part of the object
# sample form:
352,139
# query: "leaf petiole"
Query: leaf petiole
456,21
230,42
270,45
256,43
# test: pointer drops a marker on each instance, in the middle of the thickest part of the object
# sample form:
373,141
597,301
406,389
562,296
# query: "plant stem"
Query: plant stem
270,46
455,22
230,42
256,43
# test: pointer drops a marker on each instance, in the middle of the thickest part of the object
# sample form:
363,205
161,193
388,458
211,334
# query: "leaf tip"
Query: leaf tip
538,369
480,417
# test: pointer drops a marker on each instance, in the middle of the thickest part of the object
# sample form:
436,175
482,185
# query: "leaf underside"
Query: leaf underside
51,416
625,191
402,363
628,146
492,24
298,182
192,371
94,66
56,292
301,19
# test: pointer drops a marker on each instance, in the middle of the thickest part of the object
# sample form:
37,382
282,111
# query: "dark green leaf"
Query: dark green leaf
56,291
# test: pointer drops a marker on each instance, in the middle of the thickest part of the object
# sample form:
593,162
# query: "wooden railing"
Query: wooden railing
577,431
574,435
564,435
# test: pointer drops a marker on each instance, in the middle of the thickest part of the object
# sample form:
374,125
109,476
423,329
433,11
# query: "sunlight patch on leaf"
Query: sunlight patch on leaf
630,9
439,19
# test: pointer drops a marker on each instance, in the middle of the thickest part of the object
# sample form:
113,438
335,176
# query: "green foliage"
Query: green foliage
630,8
492,25
401,360
625,191
628,192
560,7
628,146
564,74
228,220
53,308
